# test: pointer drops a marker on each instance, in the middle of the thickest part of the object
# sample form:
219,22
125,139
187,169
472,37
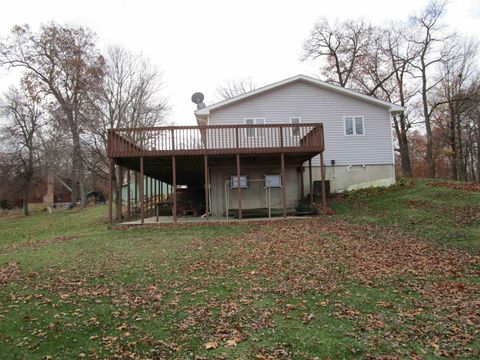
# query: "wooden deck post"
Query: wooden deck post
284,185
151,195
310,182
110,192
128,194
119,192
324,190
207,205
239,194
302,182
142,197
136,188
174,177
147,199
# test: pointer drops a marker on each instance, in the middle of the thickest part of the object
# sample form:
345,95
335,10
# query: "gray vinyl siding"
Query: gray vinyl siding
314,104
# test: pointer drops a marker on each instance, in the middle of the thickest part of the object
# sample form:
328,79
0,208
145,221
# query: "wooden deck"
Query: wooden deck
172,153
215,140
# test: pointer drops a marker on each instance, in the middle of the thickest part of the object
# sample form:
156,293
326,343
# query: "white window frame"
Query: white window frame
255,122
243,183
354,127
299,129
273,187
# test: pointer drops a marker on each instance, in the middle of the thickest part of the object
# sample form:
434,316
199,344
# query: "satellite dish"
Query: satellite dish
197,98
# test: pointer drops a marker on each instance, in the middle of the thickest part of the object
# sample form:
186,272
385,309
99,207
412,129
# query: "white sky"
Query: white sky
200,45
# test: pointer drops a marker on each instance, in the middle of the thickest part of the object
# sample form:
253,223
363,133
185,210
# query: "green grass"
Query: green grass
70,287
421,210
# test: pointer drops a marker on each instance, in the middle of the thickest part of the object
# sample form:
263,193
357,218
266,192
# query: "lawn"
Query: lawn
391,275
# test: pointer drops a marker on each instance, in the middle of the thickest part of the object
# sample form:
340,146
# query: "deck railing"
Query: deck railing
215,140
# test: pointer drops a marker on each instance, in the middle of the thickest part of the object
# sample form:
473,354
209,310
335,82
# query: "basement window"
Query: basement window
353,125
273,181
234,182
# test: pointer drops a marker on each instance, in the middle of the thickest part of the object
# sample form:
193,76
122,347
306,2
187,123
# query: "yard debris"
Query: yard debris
260,278
456,185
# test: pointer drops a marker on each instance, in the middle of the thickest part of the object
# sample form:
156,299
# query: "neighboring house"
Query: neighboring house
279,129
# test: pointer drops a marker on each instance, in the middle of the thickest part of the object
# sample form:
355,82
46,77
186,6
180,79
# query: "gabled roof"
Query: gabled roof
322,84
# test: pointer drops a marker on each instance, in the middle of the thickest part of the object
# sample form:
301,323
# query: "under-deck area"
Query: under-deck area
202,166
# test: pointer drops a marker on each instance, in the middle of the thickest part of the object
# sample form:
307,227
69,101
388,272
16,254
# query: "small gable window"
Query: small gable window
353,125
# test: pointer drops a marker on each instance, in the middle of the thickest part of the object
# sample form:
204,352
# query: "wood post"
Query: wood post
110,192
136,189
147,199
174,177
310,180
161,191
128,194
151,195
239,194
324,190
284,185
119,192
207,205
302,183
142,195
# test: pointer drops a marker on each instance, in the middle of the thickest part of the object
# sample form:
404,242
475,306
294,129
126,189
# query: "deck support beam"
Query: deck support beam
207,186
128,194
174,177
310,181
239,193
119,193
284,184
302,183
110,192
142,196
324,190
151,195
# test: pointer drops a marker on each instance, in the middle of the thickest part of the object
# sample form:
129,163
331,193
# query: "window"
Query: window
273,181
255,132
234,182
295,130
353,125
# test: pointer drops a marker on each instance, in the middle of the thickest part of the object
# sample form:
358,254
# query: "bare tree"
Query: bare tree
64,63
428,35
340,46
235,87
458,87
23,110
130,96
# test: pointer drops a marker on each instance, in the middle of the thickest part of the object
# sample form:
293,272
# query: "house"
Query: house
261,152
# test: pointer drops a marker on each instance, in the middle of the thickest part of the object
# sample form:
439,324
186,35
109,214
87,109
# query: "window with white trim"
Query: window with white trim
273,181
234,182
255,132
353,125
295,130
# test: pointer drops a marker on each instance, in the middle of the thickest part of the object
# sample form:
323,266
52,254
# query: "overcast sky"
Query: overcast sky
200,45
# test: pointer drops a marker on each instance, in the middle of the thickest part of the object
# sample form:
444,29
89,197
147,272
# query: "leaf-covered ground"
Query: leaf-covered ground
373,281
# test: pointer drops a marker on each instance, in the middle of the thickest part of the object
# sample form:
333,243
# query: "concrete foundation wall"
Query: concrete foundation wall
343,178
255,196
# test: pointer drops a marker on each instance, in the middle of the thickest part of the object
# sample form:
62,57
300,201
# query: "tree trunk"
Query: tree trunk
428,129
453,143
25,201
78,172
401,133
462,164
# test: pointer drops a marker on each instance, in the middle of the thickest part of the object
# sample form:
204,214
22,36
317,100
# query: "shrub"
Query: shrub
400,183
